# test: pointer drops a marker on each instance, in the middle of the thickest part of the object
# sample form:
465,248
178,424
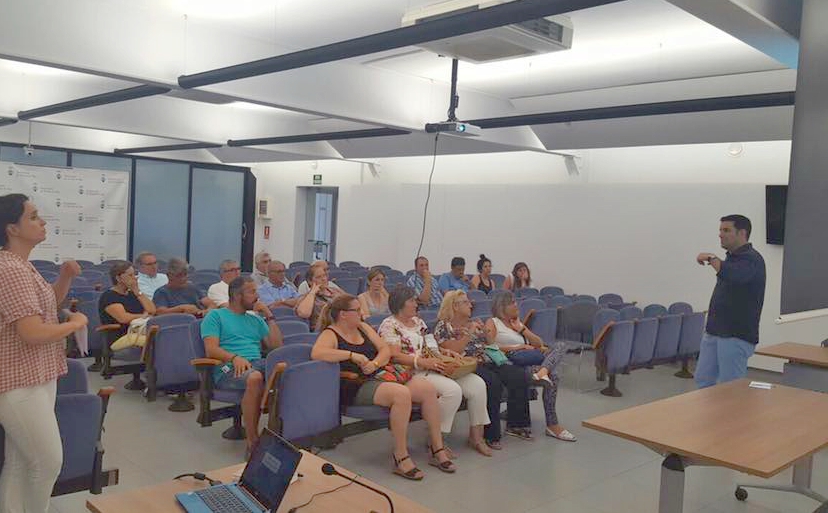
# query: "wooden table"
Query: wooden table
354,498
759,432
807,365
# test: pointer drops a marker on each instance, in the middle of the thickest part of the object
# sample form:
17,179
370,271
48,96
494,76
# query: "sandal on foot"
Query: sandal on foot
444,466
415,474
494,444
481,447
545,378
522,433
564,435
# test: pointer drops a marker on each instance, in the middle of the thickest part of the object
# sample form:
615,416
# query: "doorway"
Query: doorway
319,220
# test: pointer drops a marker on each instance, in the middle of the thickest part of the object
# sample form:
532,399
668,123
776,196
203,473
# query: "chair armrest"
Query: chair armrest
270,389
205,362
602,335
529,315
106,391
108,327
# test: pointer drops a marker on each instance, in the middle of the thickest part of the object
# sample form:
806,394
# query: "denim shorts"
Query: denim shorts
226,380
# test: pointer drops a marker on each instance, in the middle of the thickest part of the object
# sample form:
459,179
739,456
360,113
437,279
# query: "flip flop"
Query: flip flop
564,435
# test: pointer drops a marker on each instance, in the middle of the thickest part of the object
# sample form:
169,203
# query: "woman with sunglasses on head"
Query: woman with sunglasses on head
32,356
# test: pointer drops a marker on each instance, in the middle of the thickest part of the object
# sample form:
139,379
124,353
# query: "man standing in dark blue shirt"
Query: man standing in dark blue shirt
732,330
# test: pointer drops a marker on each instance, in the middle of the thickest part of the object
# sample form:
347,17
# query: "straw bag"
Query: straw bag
457,366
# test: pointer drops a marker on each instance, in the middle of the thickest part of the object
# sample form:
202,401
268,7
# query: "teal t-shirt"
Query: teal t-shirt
239,334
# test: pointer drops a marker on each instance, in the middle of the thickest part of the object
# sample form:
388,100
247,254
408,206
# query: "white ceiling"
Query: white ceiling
636,51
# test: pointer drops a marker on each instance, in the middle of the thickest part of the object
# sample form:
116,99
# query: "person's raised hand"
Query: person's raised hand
70,269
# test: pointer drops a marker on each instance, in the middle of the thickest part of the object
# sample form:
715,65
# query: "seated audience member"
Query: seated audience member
374,301
455,279
179,295
277,291
261,262
483,281
149,279
506,331
234,336
321,293
124,302
218,293
457,331
520,277
428,290
412,346
305,286
346,340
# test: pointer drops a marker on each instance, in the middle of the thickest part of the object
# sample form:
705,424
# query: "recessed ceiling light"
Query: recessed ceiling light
735,149
222,9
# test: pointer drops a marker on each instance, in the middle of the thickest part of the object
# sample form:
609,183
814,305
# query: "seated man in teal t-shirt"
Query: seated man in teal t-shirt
234,336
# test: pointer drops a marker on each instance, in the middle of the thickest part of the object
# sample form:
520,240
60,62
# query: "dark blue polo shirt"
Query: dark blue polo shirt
738,297
168,297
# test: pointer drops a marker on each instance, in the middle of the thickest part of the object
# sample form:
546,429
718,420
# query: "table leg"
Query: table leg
801,482
671,493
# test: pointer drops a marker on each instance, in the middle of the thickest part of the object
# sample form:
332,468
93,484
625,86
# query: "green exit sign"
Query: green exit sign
317,179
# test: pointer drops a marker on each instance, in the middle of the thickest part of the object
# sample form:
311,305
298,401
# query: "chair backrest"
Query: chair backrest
79,419
85,263
289,327
532,303
692,329
680,308
392,272
196,342
557,301
352,286
630,313
527,292
302,418
667,340
482,308
375,320
384,267
291,354
498,280
74,382
393,281
90,309
644,340
335,274
618,346
610,298
654,310
476,295
575,321
349,263
301,338
427,315
584,298
281,312
95,277
173,351
298,263
603,317
551,290
49,276
43,264
544,323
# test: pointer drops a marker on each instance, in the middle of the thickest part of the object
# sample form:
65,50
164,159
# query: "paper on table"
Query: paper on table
760,384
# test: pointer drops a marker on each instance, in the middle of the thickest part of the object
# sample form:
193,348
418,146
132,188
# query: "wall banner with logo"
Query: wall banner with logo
86,210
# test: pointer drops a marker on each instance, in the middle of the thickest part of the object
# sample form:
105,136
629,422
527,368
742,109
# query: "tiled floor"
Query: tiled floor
598,474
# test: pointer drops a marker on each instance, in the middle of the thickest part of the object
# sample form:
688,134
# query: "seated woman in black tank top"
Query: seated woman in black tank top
357,348
483,281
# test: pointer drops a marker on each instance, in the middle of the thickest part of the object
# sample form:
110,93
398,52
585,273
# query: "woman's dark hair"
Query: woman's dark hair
11,210
482,262
330,312
398,296
516,281
117,269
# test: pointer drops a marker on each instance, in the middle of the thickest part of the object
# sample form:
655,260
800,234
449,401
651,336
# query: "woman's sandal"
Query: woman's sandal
481,447
444,466
522,433
415,474
495,444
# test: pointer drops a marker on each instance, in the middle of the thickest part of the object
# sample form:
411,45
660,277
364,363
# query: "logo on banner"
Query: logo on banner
57,258
57,230
34,187
80,216
57,202
102,257
103,204
103,178
80,243
80,189
57,175
10,171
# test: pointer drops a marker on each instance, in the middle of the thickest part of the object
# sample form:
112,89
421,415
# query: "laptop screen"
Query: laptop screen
270,468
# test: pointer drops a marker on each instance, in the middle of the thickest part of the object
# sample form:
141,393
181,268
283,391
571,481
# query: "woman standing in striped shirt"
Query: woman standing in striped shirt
32,356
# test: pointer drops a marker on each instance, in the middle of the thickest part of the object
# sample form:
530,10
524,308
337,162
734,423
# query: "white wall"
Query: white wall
631,222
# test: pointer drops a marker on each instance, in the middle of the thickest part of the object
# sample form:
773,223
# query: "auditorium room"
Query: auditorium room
413,255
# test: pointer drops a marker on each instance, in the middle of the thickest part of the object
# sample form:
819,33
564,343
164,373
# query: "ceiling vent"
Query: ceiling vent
533,37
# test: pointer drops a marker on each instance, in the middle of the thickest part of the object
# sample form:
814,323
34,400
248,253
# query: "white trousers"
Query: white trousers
33,451
451,392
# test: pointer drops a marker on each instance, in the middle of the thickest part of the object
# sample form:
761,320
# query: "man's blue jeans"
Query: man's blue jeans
722,359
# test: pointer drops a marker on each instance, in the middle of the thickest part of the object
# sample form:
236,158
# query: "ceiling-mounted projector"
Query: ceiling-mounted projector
454,128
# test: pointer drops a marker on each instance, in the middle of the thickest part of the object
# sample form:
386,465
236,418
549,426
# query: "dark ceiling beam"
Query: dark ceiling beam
433,30
325,136
168,147
7,121
748,101
120,95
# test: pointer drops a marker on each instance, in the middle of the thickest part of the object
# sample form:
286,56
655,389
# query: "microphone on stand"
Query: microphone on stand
329,470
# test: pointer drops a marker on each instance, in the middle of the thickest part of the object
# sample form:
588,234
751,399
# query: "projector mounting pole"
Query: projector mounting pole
454,99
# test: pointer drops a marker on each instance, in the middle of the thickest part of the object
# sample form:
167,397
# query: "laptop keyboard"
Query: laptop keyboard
221,500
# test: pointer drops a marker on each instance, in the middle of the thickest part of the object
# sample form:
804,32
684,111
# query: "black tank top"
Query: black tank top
483,287
347,388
